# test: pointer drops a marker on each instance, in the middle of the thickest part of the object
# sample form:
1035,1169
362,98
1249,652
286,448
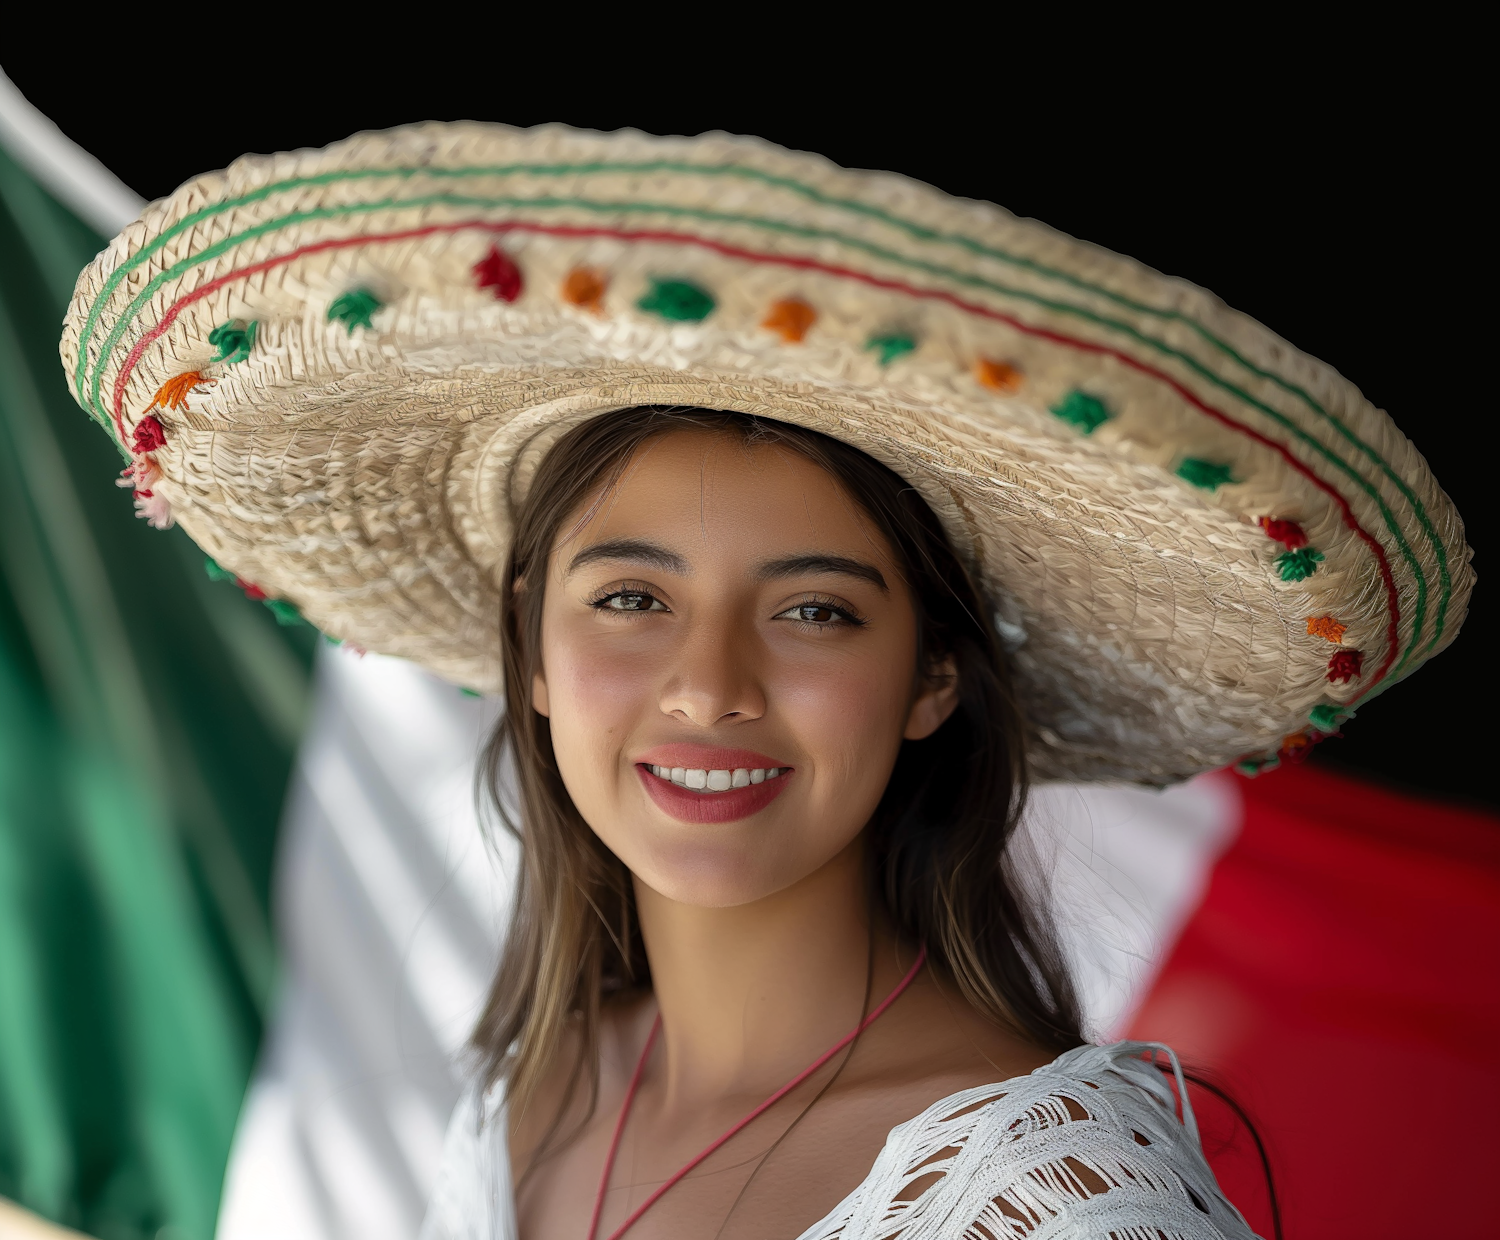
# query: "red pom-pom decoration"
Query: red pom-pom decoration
149,435
496,270
1345,666
1288,533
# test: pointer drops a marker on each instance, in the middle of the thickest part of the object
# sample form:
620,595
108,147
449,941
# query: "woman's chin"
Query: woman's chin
718,874
716,883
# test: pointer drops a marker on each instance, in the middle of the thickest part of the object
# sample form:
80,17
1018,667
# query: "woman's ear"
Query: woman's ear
935,702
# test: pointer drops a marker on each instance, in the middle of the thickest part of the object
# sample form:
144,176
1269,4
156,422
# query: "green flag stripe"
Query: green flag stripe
142,765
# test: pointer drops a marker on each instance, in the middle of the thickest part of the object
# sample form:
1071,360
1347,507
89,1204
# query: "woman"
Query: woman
798,513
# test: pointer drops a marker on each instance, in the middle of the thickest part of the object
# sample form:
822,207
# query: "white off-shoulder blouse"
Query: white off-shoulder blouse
1005,1167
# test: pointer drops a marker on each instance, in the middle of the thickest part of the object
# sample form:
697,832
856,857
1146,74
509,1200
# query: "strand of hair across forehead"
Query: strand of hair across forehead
634,1086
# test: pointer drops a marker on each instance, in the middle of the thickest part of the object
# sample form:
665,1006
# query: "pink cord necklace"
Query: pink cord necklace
635,1082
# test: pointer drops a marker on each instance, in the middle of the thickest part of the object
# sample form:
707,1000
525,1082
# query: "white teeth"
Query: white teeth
714,781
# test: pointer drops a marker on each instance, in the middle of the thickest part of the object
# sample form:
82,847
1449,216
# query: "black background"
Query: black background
1329,184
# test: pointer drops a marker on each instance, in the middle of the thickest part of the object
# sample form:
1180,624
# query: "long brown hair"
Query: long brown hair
936,845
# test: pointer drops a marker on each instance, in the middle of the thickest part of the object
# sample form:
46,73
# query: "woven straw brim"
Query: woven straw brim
1203,545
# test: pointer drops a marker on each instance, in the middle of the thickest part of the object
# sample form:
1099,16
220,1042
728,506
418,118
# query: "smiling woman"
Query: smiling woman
768,762
818,511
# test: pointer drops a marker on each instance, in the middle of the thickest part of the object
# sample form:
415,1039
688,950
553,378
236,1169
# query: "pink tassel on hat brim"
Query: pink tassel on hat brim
151,506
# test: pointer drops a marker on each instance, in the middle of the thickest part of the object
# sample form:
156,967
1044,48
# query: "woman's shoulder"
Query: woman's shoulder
1087,1145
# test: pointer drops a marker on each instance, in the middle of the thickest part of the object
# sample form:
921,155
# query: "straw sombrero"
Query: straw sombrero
339,368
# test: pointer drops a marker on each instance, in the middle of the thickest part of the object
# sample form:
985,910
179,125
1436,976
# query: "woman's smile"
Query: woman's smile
705,783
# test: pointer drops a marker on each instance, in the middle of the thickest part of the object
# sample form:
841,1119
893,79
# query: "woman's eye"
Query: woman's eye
815,613
631,600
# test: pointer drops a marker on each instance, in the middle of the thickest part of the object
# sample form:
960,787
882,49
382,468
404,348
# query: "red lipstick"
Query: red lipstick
709,766
709,758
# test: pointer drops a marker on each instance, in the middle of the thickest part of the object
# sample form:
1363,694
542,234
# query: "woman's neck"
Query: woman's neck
750,994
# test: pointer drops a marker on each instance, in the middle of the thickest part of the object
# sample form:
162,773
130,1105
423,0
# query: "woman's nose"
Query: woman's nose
714,678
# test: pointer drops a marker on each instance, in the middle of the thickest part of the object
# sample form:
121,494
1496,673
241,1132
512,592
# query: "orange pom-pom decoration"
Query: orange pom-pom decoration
1326,627
1296,747
997,376
790,318
584,287
174,392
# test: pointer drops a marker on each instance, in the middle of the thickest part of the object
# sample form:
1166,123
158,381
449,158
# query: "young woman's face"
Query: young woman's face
729,667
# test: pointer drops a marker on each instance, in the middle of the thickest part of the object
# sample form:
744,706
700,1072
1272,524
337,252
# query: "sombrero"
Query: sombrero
338,370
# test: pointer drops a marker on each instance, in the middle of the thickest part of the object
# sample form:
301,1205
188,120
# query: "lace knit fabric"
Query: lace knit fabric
1020,1160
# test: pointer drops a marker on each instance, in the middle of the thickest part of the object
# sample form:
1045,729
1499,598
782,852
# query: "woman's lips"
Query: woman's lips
708,757
744,796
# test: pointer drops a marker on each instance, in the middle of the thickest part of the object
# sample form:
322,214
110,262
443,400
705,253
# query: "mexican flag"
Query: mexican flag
247,910
148,723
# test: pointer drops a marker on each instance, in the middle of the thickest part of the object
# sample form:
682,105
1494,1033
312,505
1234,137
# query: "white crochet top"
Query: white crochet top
1005,1175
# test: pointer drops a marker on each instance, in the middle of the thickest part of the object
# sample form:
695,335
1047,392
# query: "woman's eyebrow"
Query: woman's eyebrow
637,550
796,565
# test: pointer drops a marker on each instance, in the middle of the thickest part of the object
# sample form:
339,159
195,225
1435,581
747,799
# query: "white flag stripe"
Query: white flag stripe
389,907
1128,867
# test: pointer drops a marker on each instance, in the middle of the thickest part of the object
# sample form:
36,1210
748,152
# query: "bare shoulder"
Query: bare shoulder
929,1051
934,1036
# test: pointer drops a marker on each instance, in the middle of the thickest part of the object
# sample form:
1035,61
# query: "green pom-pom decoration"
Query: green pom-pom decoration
1079,409
284,612
1210,475
233,341
354,309
216,571
1327,717
1300,564
890,347
677,301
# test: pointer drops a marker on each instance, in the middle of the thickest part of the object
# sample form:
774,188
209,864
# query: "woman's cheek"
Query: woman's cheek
848,716
597,698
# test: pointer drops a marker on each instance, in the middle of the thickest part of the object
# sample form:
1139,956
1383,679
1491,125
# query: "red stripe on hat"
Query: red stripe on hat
804,264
